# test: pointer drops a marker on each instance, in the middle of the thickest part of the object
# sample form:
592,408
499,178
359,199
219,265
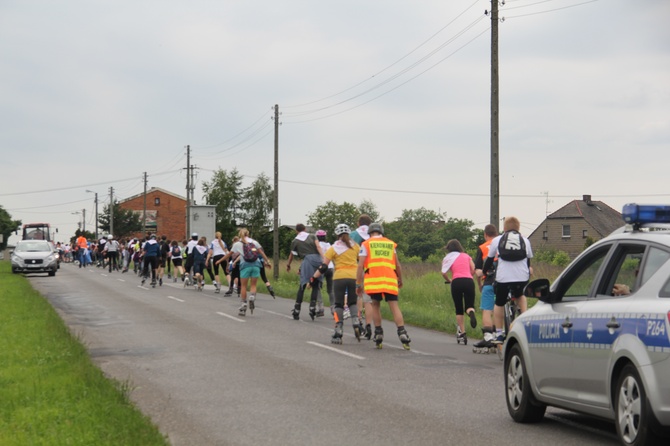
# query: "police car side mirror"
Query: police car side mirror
538,289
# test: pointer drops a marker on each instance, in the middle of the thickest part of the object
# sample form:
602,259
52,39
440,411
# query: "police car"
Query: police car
598,340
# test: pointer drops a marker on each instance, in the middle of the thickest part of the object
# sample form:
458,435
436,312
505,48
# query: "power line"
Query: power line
387,67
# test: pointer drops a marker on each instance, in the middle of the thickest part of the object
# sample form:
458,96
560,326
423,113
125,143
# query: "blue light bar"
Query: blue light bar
638,214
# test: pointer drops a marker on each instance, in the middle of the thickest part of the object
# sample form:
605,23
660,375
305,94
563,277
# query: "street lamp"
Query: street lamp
96,212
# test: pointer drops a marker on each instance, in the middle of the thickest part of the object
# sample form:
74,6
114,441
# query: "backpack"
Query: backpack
511,247
249,252
176,251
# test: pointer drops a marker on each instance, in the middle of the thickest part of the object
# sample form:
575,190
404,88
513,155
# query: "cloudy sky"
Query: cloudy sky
380,100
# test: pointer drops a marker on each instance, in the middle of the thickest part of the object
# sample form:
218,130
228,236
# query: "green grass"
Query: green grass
50,391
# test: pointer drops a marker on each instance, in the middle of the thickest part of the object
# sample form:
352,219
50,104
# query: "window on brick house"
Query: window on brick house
544,235
584,233
157,201
566,231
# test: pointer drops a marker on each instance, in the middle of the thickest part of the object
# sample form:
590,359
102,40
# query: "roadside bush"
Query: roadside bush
552,256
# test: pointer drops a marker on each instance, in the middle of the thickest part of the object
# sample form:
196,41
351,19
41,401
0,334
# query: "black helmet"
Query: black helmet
375,227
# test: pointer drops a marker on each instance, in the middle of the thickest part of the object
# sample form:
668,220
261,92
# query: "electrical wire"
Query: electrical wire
400,73
396,87
387,67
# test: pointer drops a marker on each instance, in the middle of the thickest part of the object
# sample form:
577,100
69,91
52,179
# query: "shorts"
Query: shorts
250,270
366,298
378,297
176,261
488,298
503,289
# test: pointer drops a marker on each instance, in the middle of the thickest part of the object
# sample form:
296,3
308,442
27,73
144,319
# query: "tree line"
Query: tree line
419,233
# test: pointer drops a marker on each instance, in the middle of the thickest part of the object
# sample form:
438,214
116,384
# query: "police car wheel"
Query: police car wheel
521,403
632,409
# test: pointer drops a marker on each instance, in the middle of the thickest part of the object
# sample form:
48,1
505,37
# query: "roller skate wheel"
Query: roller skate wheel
405,346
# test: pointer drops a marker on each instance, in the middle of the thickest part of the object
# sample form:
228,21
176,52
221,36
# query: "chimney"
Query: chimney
587,199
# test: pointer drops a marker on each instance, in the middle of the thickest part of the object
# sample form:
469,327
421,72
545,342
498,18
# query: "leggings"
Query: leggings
463,293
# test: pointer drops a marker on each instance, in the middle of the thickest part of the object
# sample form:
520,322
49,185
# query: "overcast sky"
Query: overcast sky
382,100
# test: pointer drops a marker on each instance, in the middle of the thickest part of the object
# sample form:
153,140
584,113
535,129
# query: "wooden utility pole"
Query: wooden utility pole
275,205
495,173
111,210
144,211
188,192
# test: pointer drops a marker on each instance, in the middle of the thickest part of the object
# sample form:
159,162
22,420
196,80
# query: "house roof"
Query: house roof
599,215
153,189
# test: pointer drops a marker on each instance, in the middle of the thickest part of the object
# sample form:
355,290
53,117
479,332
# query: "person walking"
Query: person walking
513,271
379,275
462,269
306,247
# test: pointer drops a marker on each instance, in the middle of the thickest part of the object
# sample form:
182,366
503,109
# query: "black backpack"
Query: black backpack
512,247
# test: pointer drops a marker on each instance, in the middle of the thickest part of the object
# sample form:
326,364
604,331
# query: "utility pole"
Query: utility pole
83,220
495,158
111,210
96,212
144,211
275,201
188,192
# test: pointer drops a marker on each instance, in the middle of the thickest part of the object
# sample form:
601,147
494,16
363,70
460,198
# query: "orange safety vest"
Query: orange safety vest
380,274
485,251
81,242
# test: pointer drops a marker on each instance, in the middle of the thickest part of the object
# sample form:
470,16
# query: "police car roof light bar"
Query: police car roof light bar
639,214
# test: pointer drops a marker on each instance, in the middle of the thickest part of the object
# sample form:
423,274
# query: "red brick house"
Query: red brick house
165,212
568,228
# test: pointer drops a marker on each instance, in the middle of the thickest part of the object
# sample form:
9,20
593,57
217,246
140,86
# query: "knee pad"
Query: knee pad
323,268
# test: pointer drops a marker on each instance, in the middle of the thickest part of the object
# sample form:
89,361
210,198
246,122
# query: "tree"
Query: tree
225,192
126,221
416,232
257,206
7,226
462,231
369,208
331,214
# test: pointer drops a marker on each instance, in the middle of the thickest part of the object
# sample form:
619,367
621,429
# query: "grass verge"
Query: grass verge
50,391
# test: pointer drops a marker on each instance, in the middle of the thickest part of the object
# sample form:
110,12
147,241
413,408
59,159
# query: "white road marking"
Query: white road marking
230,317
174,298
279,314
333,349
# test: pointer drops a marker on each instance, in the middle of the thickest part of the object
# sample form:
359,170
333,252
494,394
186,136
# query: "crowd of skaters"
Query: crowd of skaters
361,269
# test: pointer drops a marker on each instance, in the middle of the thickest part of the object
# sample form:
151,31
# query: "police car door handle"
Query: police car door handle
567,323
613,323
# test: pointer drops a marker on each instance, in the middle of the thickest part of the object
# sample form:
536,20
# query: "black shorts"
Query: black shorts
503,289
378,297
176,261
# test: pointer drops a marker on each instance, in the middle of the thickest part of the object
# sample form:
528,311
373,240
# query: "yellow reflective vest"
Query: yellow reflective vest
380,274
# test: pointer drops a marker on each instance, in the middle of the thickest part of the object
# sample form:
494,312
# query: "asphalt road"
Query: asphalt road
208,377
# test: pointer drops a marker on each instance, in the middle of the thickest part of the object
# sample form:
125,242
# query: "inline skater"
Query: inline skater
379,275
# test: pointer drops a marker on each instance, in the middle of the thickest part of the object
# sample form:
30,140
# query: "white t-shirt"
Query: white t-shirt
507,271
217,249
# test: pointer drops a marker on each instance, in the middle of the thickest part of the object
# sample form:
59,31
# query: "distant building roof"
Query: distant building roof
599,215
153,189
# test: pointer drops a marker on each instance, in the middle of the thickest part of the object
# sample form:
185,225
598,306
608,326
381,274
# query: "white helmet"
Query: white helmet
342,229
